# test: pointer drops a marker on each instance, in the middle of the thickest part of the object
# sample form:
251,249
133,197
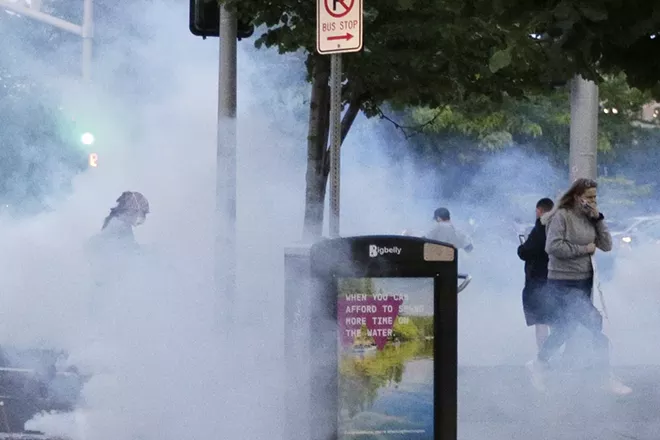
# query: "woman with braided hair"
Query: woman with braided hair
117,271
113,246
131,210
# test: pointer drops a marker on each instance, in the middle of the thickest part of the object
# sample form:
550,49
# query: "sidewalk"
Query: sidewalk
499,403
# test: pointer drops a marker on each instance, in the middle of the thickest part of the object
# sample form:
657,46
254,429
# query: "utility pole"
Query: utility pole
584,129
85,31
87,35
225,215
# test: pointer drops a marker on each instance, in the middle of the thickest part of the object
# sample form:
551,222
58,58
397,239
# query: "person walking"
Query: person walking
446,232
114,247
575,229
532,252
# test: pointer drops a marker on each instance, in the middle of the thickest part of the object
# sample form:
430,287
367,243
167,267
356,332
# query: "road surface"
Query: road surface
498,403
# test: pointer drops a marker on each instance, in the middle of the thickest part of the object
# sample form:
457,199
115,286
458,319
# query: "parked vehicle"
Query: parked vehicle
32,381
638,231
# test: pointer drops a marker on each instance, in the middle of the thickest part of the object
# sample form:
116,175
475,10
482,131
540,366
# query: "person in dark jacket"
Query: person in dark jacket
532,252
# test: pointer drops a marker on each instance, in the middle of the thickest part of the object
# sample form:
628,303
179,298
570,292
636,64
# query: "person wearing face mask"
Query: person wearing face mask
112,248
575,229
118,268
131,211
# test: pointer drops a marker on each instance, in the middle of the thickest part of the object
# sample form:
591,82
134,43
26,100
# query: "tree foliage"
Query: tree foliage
36,150
592,37
426,53
356,286
39,139
540,120
416,52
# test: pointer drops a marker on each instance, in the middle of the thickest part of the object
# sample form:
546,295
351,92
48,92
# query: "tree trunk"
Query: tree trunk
317,141
318,153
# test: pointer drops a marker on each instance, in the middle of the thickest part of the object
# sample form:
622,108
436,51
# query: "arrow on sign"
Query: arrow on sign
346,37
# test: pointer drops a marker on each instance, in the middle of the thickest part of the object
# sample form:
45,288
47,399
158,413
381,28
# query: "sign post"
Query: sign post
338,30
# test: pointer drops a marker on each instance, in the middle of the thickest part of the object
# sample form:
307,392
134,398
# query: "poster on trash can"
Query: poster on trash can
385,358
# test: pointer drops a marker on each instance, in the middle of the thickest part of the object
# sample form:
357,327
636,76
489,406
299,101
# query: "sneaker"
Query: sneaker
537,373
615,386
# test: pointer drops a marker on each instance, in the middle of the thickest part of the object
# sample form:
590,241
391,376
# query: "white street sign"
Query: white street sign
338,26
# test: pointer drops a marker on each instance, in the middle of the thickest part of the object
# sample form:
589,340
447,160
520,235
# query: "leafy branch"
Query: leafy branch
410,130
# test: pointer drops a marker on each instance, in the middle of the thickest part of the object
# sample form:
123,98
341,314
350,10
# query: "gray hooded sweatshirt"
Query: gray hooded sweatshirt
568,233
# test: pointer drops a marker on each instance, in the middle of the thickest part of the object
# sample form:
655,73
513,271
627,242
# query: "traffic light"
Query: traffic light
204,20
87,138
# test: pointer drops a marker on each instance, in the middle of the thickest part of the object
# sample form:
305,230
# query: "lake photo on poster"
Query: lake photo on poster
385,353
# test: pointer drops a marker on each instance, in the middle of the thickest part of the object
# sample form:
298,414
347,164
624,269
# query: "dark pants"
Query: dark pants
573,307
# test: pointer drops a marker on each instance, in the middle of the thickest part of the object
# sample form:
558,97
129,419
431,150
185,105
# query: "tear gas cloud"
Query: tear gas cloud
397,192
160,367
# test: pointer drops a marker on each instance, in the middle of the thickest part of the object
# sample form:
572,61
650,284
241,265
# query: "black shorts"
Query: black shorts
536,305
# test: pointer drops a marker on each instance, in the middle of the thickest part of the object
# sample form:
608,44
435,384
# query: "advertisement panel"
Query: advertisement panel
385,353
382,340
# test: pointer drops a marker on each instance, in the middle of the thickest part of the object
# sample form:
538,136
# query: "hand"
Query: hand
591,248
591,209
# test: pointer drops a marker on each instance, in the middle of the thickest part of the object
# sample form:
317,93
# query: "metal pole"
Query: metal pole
584,129
87,35
41,17
335,143
225,242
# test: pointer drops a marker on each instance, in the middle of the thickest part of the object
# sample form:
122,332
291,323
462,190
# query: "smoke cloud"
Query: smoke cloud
160,366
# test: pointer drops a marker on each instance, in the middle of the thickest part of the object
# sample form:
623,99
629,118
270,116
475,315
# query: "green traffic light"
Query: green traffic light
87,139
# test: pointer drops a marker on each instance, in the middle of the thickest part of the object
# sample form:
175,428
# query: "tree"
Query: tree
417,52
428,53
404,331
593,38
37,154
356,286
462,138
37,151
39,139
541,120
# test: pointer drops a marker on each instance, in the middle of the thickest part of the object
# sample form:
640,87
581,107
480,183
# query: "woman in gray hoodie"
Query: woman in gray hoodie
575,228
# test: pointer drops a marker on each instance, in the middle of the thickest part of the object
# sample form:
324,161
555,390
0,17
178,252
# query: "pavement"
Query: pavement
499,403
